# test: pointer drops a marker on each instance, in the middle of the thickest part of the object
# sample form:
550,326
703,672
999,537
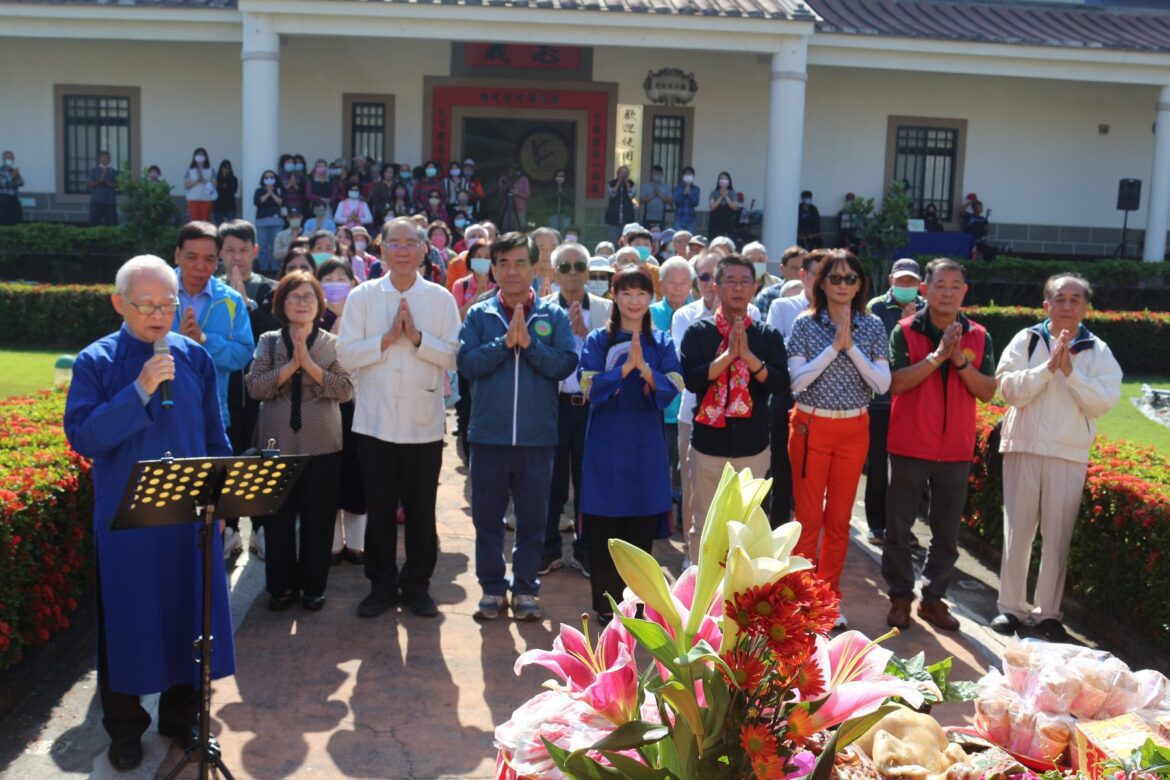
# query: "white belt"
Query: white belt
836,414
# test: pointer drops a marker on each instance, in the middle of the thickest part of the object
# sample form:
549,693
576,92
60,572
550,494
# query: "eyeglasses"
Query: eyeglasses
737,281
839,279
147,309
706,277
303,298
580,267
407,246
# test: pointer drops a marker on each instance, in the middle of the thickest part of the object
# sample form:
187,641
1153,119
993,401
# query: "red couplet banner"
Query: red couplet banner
517,55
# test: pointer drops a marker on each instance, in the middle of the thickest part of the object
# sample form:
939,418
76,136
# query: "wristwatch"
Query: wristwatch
933,360
966,362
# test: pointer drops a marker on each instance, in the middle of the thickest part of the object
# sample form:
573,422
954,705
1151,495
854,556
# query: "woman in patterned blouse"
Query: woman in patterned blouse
838,357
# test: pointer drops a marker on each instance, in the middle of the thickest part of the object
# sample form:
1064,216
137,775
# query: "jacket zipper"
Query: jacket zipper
515,382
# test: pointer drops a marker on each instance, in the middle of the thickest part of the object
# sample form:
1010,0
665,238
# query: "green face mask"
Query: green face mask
321,257
904,295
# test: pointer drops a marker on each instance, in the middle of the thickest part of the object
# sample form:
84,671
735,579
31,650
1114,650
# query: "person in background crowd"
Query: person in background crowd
620,209
975,224
942,362
284,238
808,223
723,245
678,279
406,176
931,220
453,185
696,246
733,364
268,200
629,373
600,277
382,193
439,237
586,313
199,183
227,187
474,185
11,181
641,241
349,529
837,358
321,220
791,263
788,261
514,349
400,370
654,198
758,254
457,267
469,290
296,377
686,199
546,240
783,312
435,211
848,226
323,245
514,191
154,173
462,214
147,615
900,301
293,179
299,258
663,241
238,250
1058,379
604,249
353,210
401,204
361,259
561,203
102,185
490,227
723,204
319,188
426,186
679,243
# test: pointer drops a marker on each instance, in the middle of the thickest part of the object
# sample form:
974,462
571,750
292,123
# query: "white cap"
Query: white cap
600,264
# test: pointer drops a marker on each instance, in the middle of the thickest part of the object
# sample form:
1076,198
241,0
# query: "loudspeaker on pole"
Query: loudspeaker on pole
1129,194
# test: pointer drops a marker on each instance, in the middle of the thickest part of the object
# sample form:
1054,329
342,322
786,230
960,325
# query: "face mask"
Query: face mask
598,287
904,295
355,194
431,172
289,167
300,166
321,170
360,244
643,252
688,179
560,180
294,221
269,181
335,292
761,269
407,175
334,171
200,159
468,172
725,182
657,235
9,163
571,238
152,177
321,257
481,265
456,173
656,178
434,204
460,223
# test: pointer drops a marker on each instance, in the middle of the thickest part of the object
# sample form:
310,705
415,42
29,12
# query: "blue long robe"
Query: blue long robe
151,578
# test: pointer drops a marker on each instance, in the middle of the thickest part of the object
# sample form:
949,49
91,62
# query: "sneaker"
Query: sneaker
875,536
842,623
580,565
490,606
256,547
525,606
232,543
547,566
567,525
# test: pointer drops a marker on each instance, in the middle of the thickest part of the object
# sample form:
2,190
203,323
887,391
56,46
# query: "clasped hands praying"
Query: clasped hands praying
737,349
402,327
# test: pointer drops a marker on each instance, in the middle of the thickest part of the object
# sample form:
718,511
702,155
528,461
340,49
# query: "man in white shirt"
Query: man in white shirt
399,335
702,309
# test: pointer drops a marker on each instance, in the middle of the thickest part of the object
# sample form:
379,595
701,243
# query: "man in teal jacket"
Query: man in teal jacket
515,349
210,312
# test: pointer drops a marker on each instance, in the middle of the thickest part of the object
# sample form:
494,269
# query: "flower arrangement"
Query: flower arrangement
743,680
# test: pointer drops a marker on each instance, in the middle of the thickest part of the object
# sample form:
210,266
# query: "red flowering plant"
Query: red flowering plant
743,682
46,501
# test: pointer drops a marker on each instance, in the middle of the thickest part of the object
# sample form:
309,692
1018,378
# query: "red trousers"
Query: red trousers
826,455
199,210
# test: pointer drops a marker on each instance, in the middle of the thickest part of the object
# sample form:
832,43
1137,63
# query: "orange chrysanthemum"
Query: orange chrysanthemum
800,728
757,741
768,767
809,680
747,670
813,599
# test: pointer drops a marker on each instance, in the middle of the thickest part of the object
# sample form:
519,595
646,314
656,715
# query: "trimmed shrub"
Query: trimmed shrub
67,254
1117,560
46,510
69,316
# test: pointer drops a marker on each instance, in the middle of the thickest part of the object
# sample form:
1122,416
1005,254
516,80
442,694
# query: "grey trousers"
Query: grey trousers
948,492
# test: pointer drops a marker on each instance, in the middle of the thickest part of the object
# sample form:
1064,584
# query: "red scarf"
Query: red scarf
728,396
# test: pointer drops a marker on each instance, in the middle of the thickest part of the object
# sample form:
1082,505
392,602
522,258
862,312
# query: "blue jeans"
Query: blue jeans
265,238
524,473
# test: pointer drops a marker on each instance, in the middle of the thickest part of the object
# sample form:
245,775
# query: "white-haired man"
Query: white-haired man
758,254
147,615
678,280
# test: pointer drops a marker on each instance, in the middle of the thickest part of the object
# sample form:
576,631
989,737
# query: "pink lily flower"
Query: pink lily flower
604,677
683,595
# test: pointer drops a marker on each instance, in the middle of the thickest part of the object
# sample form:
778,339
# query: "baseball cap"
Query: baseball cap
470,162
907,266
699,240
600,264
632,227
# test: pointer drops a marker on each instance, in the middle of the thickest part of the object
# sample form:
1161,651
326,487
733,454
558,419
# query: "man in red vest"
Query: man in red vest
940,362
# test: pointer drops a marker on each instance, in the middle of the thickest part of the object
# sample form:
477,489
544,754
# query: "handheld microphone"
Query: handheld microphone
161,347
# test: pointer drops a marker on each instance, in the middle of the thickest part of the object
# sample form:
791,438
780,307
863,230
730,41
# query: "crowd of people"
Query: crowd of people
614,383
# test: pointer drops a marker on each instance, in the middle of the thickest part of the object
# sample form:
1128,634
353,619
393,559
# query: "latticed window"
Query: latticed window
667,142
92,124
925,157
368,133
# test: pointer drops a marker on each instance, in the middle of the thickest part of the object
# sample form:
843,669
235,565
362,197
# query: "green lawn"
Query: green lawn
1124,421
23,371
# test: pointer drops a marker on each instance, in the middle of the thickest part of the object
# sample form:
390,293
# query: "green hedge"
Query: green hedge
1140,340
1119,560
67,254
46,509
69,316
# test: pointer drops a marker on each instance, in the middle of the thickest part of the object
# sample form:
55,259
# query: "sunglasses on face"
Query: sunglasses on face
839,279
580,266
706,277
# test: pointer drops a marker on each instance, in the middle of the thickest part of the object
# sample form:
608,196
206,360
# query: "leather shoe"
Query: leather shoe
312,603
282,601
376,603
1052,630
938,615
899,615
125,754
421,604
1005,623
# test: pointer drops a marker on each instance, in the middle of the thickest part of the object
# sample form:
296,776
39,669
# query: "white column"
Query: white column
785,142
261,109
1159,198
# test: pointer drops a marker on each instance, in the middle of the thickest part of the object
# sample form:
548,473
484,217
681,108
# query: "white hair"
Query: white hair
476,229
676,263
398,222
603,245
722,241
754,246
144,265
623,252
572,247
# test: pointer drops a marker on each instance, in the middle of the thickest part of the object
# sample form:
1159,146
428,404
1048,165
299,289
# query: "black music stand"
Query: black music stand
174,491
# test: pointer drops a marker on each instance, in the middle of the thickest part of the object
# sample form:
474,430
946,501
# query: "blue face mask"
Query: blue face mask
481,265
321,257
643,252
904,295
406,174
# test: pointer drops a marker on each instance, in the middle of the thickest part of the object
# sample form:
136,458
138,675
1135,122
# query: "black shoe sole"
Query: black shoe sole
313,603
125,756
373,610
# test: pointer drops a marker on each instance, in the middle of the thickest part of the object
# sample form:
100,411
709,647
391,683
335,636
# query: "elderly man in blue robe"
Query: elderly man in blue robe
149,579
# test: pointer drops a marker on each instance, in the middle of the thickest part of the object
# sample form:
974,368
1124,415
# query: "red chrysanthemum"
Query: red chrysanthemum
757,741
747,670
768,767
813,599
799,728
788,638
809,680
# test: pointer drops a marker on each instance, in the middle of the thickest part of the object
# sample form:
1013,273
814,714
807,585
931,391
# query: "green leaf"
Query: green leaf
634,734
654,638
581,766
558,754
852,730
636,770
960,691
824,766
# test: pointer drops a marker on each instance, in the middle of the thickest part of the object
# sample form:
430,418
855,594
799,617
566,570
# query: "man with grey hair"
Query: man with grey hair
677,278
758,254
116,415
627,255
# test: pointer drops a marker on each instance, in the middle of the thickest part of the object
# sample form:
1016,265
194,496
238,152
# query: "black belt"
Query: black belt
574,399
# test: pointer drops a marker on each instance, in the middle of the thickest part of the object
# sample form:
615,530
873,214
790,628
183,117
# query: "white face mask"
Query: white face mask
688,179
355,194
200,159
571,238
359,244
269,181
480,265
598,287
726,183
761,269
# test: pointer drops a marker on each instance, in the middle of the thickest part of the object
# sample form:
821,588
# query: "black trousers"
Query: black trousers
315,497
570,453
463,411
604,577
394,474
781,510
877,469
123,716
243,410
103,214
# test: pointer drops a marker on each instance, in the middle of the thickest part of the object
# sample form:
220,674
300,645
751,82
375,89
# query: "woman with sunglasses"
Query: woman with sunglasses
838,357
